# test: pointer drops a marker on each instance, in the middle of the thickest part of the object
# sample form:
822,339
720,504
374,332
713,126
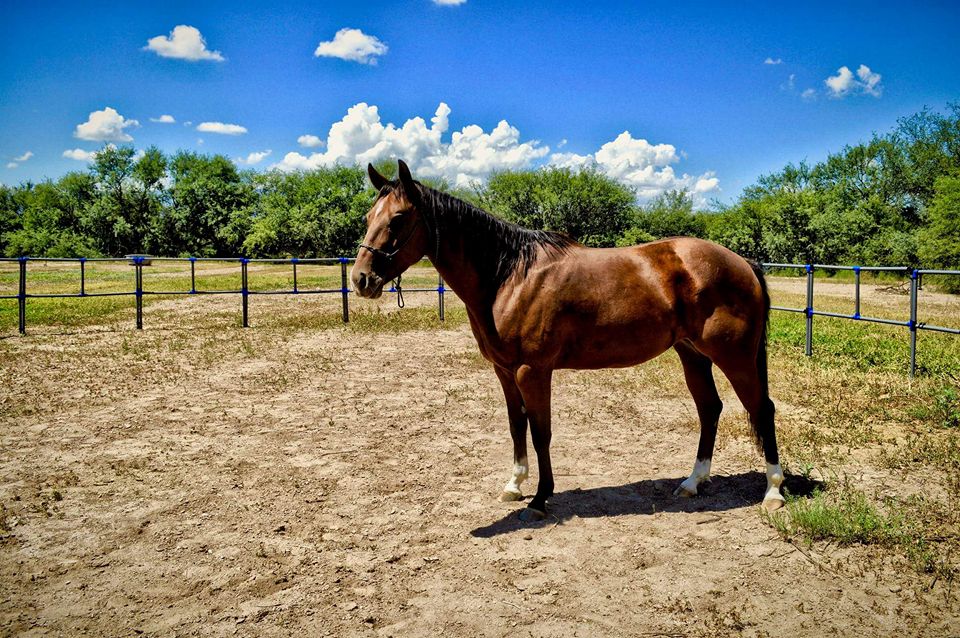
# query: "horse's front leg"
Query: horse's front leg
517,415
535,389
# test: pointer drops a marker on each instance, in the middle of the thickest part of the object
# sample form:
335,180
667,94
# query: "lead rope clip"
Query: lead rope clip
396,284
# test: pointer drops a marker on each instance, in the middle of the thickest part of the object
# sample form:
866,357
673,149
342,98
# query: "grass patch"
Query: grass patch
849,345
845,516
374,320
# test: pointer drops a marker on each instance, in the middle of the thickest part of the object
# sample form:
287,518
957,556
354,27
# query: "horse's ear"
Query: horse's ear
406,180
376,178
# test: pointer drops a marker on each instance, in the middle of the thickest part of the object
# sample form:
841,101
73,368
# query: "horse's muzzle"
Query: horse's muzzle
367,285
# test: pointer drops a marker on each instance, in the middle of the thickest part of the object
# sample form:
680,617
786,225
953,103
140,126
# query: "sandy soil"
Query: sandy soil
216,482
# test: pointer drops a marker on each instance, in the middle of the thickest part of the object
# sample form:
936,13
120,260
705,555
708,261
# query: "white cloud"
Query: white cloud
772,61
470,155
253,158
844,83
353,45
163,119
869,81
449,3
309,141
809,94
24,157
183,43
221,128
790,85
644,166
12,165
80,155
105,126
841,83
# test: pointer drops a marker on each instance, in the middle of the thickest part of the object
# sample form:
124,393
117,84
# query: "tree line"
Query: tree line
894,200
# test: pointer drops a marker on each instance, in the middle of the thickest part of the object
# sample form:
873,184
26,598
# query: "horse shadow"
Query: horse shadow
721,493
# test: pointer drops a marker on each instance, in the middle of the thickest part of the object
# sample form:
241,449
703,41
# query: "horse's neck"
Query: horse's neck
461,274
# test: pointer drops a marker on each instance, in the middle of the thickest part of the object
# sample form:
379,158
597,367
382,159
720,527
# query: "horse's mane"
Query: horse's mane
496,247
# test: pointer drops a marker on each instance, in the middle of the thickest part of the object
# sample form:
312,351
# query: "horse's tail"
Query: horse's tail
762,351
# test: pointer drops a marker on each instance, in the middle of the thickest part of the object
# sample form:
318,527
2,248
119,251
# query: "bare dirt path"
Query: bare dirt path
271,482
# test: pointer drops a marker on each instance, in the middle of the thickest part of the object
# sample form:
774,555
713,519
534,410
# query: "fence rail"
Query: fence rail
916,276
139,291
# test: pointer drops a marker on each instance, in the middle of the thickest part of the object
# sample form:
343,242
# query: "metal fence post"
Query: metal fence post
809,311
138,271
83,277
344,290
245,293
914,284
440,291
22,296
193,275
856,279
294,262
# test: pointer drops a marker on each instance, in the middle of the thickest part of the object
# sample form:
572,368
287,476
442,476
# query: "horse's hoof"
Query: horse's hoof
772,504
531,515
683,492
509,496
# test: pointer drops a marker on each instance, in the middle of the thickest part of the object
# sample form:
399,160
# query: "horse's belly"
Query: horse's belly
612,348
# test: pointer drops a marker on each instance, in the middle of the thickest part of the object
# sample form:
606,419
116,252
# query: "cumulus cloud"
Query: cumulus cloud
353,45
80,155
809,94
844,83
105,126
309,141
869,81
644,166
253,158
773,61
12,165
163,119
221,128
183,43
24,157
470,155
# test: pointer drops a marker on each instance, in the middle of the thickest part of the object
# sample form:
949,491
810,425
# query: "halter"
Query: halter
389,256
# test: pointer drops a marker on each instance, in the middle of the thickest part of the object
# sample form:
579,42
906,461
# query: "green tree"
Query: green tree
311,213
209,210
939,240
586,204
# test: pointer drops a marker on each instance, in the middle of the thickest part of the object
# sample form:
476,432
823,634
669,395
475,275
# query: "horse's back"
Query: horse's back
604,307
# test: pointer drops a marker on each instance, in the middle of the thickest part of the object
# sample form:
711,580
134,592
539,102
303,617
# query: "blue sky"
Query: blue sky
688,81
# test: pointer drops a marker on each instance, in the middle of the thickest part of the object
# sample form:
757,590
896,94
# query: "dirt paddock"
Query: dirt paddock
334,482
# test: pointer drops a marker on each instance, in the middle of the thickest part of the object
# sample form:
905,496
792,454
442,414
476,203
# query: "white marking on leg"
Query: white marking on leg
774,481
520,473
701,472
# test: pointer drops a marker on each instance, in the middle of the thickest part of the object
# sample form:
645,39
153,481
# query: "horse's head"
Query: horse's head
397,233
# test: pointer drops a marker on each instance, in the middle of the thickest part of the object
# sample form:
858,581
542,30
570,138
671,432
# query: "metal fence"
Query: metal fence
139,291
912,323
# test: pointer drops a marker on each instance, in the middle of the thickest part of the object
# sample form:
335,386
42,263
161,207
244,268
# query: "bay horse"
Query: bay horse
538,301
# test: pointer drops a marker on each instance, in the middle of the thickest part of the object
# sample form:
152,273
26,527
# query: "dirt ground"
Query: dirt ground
214,481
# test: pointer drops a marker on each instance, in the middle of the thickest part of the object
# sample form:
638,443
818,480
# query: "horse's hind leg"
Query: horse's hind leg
517,414
746,380
698,372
